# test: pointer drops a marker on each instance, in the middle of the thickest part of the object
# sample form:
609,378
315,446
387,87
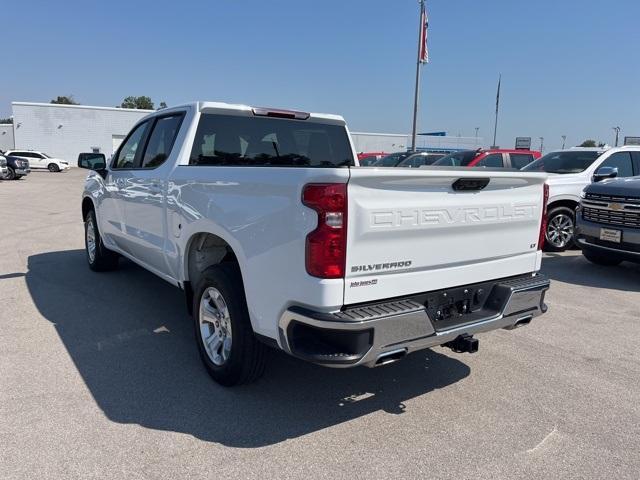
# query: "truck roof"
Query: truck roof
238,108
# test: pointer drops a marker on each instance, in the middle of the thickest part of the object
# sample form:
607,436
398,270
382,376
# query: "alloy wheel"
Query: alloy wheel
560,230
91,240
215,326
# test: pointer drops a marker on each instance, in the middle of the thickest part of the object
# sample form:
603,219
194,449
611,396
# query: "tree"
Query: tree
6,120
65,100
162,105
588,143
142,102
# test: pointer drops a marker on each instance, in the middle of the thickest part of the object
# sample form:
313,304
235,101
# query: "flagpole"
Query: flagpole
495,125
416,97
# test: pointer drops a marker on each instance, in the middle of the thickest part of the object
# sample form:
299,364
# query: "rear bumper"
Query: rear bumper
366,334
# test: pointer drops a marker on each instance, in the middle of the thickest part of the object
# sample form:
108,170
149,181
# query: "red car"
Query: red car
495,158
369,158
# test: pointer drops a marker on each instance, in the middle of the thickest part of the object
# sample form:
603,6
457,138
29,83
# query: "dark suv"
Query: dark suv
608,221
16,168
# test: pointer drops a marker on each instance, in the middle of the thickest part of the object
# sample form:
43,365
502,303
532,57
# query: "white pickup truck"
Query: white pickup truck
264,218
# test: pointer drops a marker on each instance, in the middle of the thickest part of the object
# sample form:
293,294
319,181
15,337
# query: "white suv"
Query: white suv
40,160
570,171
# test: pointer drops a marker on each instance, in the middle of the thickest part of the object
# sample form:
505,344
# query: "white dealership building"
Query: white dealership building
64,131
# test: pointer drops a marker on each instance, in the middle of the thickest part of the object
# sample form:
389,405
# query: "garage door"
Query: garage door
116,141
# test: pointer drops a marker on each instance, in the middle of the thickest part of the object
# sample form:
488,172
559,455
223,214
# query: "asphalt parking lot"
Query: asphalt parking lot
100,378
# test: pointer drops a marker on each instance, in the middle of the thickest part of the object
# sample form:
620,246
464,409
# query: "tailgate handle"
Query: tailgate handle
470,184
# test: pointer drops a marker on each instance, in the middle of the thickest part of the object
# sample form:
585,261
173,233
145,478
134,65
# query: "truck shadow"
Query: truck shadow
132,342
577,270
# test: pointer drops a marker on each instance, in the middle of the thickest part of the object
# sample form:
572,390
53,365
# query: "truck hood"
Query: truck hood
624,187
565,178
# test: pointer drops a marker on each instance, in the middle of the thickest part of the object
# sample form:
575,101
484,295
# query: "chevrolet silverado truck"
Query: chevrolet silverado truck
608,221
278,238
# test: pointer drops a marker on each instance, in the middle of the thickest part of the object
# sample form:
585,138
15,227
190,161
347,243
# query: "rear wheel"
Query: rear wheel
53,167
560,228
100,258
10,175
228,347
600,259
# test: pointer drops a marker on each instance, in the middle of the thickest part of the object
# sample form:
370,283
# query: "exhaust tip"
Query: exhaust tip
390,357
521,322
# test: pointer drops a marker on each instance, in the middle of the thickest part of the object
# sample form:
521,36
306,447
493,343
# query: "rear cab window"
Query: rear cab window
229,140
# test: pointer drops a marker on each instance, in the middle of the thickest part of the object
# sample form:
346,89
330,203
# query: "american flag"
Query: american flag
424,22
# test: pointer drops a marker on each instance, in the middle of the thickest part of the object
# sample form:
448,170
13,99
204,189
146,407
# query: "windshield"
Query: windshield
392,160
457,159
566,161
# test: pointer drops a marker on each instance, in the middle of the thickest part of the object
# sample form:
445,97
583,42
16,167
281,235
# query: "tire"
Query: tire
53,168
559,234
99,258
600,259
220,308
10,175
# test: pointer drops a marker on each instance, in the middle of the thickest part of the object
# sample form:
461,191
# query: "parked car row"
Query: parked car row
15,164
570,171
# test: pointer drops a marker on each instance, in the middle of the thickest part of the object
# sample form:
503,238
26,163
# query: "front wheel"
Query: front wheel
10,175
100,258
228,347
600,259
53,168
560,229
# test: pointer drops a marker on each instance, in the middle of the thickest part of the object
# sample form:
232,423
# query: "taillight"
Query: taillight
326,248
543,223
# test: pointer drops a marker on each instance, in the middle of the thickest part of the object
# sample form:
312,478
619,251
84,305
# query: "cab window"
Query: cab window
520,160
621,161
129,153
491,160
161,140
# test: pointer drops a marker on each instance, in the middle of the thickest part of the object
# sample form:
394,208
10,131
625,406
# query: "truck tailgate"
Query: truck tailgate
410,231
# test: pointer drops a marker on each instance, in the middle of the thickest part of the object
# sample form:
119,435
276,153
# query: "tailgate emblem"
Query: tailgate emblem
380,266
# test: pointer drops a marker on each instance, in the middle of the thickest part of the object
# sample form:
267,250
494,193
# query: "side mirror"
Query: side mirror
605,172
92,161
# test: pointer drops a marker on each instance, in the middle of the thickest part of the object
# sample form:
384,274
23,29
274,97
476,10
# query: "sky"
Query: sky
568,67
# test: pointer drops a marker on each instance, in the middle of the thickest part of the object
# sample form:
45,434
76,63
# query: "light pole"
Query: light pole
564,138
541,144
421,59
617,130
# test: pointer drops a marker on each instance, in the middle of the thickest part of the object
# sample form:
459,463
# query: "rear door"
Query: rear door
144,202
410,231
